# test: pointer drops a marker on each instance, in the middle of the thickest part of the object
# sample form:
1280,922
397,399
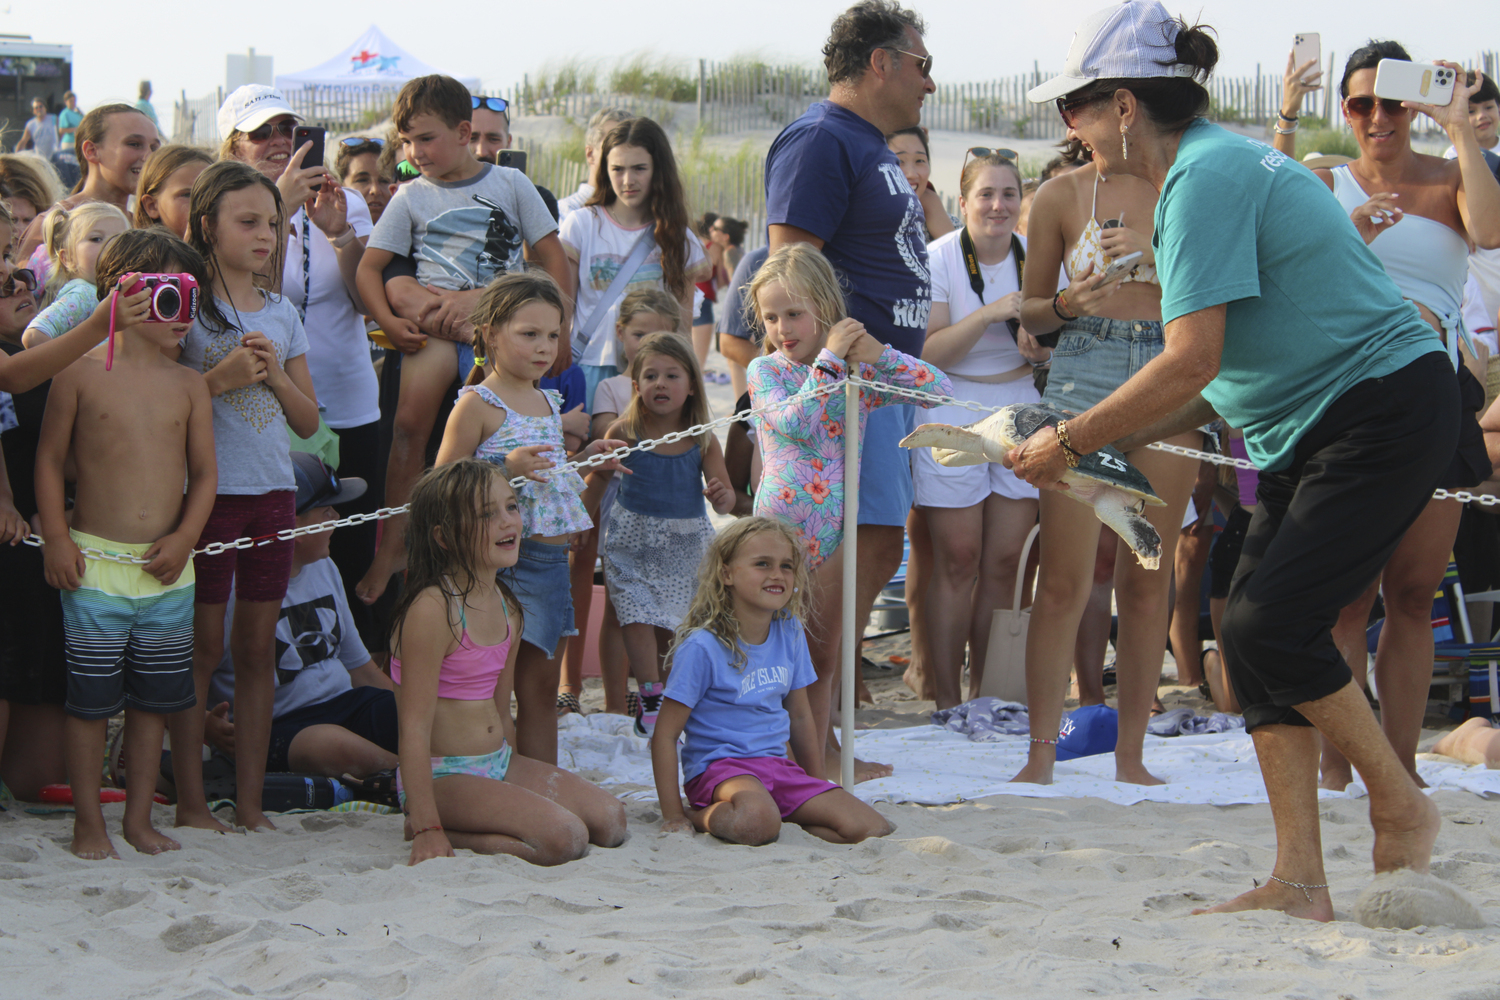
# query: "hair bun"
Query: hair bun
1197,48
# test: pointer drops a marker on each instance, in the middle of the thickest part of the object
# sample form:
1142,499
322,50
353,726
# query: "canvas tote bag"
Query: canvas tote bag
1005,663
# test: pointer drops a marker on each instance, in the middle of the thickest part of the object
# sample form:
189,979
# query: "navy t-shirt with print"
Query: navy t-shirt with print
830,173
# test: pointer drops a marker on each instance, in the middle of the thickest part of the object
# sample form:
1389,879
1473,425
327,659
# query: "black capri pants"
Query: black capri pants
1325,526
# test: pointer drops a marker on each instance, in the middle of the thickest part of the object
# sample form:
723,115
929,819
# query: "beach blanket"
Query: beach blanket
938,767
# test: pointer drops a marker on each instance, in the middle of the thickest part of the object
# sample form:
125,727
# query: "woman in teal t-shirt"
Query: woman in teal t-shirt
1280,318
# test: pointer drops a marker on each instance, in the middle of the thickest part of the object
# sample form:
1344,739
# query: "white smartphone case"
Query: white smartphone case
1307,46
1425,83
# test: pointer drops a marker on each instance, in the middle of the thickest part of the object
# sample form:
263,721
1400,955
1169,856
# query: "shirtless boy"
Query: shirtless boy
136,432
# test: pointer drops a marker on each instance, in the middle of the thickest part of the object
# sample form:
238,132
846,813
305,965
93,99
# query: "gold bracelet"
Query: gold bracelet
1070,455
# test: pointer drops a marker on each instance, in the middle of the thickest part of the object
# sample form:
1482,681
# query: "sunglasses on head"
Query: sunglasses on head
1364,107
361,141
924,63
262,134
1066,107
20,278
982,151
497,104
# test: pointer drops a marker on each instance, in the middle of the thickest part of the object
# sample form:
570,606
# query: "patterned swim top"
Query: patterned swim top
550,508
1089,251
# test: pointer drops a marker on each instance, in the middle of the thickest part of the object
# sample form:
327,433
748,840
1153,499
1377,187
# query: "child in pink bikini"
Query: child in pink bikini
453,650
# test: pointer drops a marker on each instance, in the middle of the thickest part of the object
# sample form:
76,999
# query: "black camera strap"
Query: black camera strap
976,279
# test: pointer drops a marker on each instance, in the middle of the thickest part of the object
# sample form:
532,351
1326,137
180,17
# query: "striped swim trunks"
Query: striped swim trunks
127,638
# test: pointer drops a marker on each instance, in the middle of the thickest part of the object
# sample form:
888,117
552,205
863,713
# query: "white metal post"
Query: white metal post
851,631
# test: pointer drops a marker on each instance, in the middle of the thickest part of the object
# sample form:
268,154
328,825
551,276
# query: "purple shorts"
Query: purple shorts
259,573
789,785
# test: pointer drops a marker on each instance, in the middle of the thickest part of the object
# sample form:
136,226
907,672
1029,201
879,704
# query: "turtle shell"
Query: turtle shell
1107,465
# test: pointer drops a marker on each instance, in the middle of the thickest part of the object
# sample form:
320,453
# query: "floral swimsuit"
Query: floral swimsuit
802,446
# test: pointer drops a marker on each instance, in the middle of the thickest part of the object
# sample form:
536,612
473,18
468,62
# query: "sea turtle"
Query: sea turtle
1104,480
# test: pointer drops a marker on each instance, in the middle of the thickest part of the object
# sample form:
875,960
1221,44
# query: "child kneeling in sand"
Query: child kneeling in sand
453,656
740,669
136,431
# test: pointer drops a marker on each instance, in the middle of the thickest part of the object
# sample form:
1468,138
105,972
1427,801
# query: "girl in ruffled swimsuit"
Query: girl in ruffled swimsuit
453,647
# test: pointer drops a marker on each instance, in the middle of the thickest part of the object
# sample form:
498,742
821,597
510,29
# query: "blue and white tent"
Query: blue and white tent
372,63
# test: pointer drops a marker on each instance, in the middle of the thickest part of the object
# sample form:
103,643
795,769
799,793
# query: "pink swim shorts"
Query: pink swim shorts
789,785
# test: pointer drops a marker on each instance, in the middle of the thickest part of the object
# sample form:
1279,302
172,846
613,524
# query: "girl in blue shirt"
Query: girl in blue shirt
738,691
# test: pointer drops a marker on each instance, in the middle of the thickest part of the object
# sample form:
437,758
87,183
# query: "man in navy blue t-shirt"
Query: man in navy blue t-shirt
831,182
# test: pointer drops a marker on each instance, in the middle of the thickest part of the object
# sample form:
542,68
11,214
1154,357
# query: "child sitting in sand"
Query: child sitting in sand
453,658
740,670
136,433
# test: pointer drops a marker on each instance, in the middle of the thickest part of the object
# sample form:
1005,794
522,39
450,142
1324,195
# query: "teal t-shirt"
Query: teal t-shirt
1310,310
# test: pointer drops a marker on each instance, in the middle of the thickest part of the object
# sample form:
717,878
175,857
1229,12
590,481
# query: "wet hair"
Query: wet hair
970,174
94,128
601,122
1487,90
735,229
346,154
158,168
712,609
860,30
673,347
446,516
220,179
916,130
1171,103
64,229
502,299
664,201
435,94
653,300
148,251
1368,56
29,177
805,272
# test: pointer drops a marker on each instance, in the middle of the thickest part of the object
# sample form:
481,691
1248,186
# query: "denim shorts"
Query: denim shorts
886,492
1095,356
542,588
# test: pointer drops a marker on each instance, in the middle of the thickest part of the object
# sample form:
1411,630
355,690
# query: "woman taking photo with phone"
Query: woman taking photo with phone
325,238
1419,214
1109,328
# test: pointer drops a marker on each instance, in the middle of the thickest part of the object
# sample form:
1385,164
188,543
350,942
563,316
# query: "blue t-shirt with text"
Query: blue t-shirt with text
1310,310
738,714
830,173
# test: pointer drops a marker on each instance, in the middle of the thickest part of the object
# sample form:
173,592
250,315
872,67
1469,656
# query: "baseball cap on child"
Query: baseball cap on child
1133,40
251,106
1086,731
320,486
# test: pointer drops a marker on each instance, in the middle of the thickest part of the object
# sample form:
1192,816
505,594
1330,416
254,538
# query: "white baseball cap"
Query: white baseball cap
250,107
1132,40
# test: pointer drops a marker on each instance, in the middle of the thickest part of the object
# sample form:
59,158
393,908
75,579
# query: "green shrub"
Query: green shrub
645,75
1329,142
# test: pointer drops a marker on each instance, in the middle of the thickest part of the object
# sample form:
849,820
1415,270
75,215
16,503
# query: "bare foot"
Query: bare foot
150,840
862,694
920,683
863,770
200,818
92,845
378,576
255,822
1135,774
1275,896
1336,777
1034,773
1404,836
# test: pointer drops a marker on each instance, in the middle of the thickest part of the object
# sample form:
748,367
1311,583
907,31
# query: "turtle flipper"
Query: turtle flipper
1118,510
951,446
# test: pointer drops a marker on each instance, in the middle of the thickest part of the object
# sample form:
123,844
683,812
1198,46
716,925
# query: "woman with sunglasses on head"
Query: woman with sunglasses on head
1108,329
360,164
1419,214
325,234
978,516
915,156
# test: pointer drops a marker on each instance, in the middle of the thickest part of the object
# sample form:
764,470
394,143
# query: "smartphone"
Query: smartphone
1307,46
309,133
1425,83
1121,266
513,158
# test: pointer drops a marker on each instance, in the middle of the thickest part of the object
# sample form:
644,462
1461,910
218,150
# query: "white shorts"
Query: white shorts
967,485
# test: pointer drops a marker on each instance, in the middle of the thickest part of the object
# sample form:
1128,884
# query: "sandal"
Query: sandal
379,788
568,702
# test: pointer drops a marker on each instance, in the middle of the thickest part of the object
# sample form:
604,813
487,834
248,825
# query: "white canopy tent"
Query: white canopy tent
372,63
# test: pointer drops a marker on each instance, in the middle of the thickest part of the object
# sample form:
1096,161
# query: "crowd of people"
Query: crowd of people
1321,322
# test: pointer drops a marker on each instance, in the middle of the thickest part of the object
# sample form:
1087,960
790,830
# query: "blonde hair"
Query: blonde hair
158,169
65,229
650,299
29,177
673,347
803,271
712,609
501,300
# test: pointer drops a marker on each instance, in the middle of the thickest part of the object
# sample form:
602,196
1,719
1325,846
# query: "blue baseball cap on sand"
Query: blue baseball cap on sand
1087,731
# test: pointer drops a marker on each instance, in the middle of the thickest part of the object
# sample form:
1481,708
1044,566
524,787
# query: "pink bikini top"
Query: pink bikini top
470,672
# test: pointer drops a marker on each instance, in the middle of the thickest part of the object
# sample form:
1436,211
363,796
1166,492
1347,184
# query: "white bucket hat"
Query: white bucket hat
1132,40
250,107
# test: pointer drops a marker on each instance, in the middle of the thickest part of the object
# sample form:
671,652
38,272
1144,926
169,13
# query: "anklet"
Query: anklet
1299,885
1038,739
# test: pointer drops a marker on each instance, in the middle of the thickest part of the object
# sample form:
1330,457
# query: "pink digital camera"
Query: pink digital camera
174,297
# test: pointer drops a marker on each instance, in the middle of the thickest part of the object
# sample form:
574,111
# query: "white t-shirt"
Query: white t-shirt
995,351
317,643
338,355
599,247
574,201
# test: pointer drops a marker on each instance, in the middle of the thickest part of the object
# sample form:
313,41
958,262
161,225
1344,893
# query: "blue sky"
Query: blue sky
181,44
